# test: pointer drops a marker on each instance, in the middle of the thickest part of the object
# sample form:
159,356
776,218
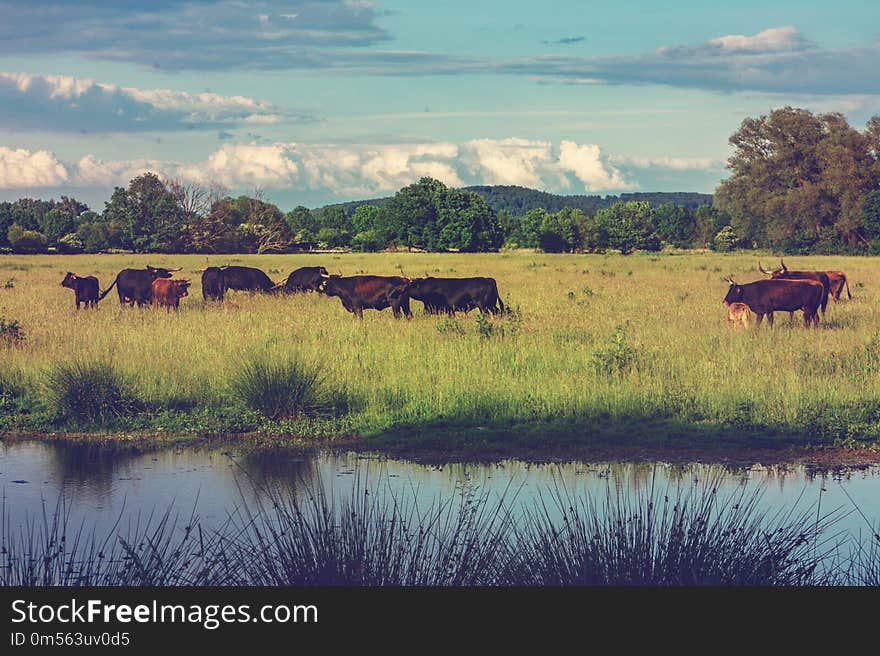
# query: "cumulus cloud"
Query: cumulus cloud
364,169
189,34
22,168
775,39
61,102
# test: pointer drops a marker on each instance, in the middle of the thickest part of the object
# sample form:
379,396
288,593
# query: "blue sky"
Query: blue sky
325,100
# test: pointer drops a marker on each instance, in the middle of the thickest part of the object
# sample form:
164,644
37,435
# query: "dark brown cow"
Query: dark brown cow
453,295
135,285
85,289
838,281
769,296
304,279
168,293
359,293
783,273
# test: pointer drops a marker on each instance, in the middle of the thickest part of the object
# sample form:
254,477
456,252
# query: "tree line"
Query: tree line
799,183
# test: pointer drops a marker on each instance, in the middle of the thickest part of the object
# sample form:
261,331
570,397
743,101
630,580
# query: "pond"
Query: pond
100,485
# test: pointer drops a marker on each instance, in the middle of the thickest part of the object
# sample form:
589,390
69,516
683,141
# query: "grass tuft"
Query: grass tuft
282,387
85,392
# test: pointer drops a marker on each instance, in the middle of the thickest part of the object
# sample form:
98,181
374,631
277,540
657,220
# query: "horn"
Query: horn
177,269
782,262
761,269
325,275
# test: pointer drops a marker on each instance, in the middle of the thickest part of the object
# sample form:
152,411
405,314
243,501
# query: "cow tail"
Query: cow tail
107,291
846,282
501,305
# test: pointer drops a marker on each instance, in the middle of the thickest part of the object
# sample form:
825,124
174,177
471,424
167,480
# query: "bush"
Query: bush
726,240
71,243
368,241
26,241
90,392
617,357
280,387
11,333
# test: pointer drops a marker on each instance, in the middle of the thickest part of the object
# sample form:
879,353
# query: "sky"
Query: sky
320,101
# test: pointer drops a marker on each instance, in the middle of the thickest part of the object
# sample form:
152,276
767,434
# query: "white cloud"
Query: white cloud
512,161
775,39
66,103
586,163
25,169
237,165
356,170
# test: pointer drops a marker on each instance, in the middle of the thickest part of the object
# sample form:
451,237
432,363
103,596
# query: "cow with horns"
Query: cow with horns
764,297
784,274
136,285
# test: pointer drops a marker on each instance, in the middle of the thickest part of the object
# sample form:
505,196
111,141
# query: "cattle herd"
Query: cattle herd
154,285
785,291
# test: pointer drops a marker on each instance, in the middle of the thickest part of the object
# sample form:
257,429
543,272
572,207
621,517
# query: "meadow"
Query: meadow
596,349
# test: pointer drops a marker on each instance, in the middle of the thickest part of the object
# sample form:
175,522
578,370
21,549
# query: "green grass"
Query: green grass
598,348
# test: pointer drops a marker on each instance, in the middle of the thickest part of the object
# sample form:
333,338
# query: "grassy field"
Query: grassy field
598,349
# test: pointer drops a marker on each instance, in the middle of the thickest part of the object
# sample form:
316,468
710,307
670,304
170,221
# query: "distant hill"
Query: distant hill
519,200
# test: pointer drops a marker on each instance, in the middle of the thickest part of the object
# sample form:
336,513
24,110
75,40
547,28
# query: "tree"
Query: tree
93,236
530,227
675,224
798,178
302,223
630,226
465,222
411,216
152,221
368,241
871,219
366,217
26,241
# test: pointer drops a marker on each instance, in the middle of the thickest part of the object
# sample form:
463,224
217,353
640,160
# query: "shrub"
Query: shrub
280,387
11,333
618,356
26,241
89,392
726,240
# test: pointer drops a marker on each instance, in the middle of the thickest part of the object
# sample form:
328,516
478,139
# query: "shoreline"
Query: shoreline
820,457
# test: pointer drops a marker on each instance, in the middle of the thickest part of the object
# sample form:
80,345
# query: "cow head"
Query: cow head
159,272
323,271
180,287
68,280
331,285
415,286
734,293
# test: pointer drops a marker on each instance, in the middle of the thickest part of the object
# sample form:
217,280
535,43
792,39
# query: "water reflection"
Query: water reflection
100,483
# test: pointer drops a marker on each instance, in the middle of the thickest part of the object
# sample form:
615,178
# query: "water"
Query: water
100,485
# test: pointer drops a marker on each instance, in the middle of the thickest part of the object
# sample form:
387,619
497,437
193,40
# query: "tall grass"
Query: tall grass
680,362
284,386
89,392
379,538
669,538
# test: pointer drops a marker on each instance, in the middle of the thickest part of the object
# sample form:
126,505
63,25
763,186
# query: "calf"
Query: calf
738,313
169,292
85,289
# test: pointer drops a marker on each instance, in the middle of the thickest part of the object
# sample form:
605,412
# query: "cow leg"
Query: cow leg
770,318
760,319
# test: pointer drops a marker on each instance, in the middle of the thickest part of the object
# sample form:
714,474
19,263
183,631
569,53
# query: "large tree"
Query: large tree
150,216
798,178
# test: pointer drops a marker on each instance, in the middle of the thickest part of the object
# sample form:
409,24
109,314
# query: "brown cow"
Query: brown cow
837,280
783,273
769,296
359,293
85,289
738,313
169,292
